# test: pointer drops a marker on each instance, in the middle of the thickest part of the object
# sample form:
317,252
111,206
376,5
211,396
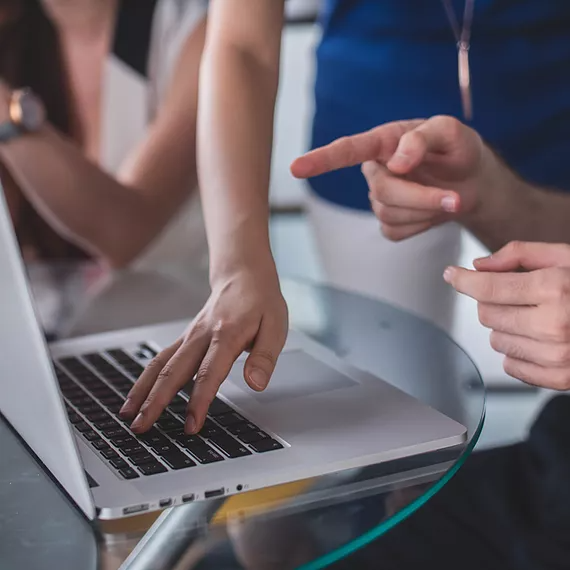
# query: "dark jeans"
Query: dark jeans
506,509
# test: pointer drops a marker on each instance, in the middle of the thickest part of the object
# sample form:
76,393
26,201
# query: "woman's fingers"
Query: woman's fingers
223,351
139,392
178,371
267,347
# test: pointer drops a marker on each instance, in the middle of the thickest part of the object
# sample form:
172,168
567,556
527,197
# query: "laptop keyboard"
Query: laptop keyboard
94,387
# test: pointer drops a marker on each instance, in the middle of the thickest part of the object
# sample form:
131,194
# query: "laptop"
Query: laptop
319,415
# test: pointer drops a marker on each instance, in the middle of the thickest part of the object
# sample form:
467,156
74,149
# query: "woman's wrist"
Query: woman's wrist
258,259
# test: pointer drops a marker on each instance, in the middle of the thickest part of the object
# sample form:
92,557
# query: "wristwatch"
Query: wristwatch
26,112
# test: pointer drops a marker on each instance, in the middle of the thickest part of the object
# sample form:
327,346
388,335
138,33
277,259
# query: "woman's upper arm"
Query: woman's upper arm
250,26
163,166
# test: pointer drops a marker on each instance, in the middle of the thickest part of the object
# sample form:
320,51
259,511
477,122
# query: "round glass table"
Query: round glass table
307,524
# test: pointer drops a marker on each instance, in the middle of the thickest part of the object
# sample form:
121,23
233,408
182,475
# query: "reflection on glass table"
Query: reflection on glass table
317,521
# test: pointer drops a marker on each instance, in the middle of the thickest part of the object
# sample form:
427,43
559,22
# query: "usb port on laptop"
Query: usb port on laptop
214,493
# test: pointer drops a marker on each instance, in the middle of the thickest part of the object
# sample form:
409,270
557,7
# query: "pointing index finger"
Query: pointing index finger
377,144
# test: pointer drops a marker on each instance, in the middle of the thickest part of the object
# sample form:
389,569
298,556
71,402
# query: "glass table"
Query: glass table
307,524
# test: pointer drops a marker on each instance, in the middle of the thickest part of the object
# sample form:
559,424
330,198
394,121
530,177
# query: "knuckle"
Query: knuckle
559,329
556,284
514,247
485,314
264,356
383,213
511,368
391,233
451,125
560,355
225,331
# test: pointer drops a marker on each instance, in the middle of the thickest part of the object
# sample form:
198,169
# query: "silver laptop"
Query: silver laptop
318,416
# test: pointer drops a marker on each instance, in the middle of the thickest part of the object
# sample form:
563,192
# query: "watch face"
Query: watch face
32,111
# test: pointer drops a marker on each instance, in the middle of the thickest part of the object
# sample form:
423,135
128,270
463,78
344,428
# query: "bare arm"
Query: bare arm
116,218
240,73
514,210
246,311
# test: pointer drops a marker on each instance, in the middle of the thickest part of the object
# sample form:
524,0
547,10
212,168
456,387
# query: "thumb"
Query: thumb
525,255
262,360
411,151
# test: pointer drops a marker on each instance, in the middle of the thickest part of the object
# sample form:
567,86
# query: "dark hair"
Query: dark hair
30,56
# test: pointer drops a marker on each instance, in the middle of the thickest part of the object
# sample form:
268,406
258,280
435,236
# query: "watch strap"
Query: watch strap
8,131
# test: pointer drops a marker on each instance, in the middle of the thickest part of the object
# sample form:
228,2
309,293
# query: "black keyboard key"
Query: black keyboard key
91,435
114,405
239,429
81,401
266,445
152,468
183,438
100,445
74,418
219,407
109,453
162,449
98,416
178,460
118,463
169,424
210,429
124,441
114,433
147,351
82,427
141,458
132,449
253,436
153,437
232,418
105,424
89,407
231,447
204,453
128,473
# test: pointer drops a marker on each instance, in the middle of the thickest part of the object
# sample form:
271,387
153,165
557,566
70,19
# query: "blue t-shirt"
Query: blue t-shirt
385,60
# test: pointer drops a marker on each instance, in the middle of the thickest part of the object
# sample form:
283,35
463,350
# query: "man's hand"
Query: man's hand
528,312
420,173
245,312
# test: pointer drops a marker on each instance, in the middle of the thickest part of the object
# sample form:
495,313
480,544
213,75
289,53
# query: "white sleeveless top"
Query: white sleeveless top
148,38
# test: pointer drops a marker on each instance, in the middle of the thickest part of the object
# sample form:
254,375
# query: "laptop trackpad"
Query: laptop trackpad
298,375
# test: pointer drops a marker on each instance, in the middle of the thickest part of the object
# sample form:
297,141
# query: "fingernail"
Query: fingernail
126,407
258,378
448,274
190,426
138,423
449,204
481,259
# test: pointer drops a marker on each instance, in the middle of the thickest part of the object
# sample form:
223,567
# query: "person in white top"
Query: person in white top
110,173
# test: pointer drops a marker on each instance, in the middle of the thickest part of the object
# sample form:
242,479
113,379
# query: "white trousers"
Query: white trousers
357,257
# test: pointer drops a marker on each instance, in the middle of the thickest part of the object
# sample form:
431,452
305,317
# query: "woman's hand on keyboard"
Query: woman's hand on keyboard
245,312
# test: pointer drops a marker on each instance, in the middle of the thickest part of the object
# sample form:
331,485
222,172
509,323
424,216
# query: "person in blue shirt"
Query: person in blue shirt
378,61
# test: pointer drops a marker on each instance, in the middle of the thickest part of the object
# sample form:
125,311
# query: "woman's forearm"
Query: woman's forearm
78,199
235,133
